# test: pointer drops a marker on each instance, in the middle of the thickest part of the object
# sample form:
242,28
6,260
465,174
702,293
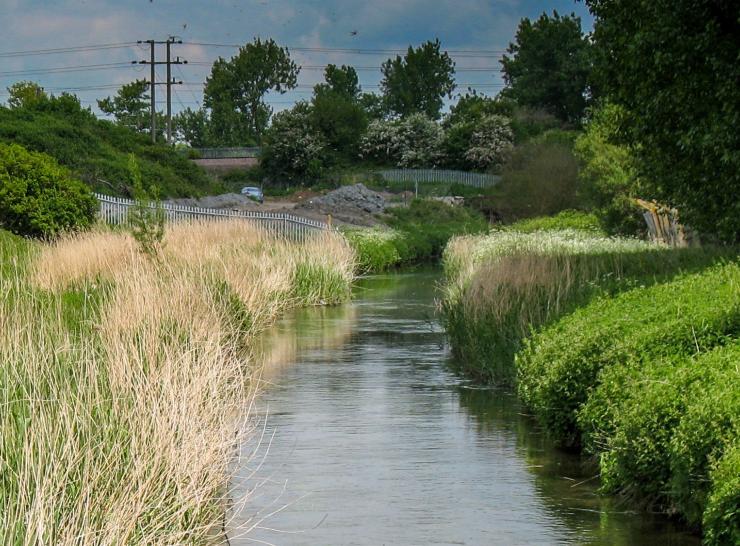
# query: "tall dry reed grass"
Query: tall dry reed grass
121,428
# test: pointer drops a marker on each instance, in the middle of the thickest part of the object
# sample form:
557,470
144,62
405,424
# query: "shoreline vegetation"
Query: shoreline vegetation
125,379
624,350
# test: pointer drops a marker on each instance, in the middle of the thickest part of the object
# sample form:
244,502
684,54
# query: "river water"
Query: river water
368,437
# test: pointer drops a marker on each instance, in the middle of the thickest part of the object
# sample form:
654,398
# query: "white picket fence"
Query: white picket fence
420,176
115,210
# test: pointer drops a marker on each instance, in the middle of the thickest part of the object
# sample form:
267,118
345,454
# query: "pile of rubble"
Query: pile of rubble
351,204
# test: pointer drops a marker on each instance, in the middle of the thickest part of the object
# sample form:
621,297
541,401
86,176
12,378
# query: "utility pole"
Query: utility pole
169,83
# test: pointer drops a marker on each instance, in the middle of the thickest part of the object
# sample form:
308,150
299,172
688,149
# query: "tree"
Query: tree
293,149
490,142
342,81
193,127
413,142
335,111
675,73
130,107
608,181
26,94
147,215
374,106
548,66
419,81
240,85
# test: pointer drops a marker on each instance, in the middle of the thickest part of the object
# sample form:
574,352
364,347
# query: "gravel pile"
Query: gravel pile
355,198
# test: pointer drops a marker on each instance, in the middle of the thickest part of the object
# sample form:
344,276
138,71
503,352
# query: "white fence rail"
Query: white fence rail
115,210
420,176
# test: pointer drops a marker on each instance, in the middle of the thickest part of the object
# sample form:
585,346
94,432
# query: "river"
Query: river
369,437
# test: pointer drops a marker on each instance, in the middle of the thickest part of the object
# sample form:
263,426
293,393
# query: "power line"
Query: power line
373,68
72,49
60,69
365,51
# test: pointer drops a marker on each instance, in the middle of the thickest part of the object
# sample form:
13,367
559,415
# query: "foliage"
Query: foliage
194,127
500,287
26,94
490,142
376,249
236,88
335,112
146,216
561,366
418,82
608,180
293,148
539,179
675,74
528,123
97,151
548,66
413,142
38,197
373,105
721,524
427,225
658,425
565,220
130,106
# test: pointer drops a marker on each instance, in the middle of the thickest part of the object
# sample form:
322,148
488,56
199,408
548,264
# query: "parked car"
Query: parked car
254,193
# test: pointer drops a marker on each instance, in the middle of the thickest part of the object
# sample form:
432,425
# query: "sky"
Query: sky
475,32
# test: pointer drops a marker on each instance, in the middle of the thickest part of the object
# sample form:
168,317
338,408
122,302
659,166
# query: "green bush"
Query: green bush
97,151
376,249
567,219
38,197
560,366
428,225
722,515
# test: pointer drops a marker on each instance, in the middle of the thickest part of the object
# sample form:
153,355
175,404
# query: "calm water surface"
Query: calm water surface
370,438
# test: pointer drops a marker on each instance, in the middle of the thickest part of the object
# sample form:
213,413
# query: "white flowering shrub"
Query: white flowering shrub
490,143
293,148
413,142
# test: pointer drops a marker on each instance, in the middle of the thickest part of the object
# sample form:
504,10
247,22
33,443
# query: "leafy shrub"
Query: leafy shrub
490,142
539,179
97,151
560,367
38,197
567,219
428,225
721,521
413,142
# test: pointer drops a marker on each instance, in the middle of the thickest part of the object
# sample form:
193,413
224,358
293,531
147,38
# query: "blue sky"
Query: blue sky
483,26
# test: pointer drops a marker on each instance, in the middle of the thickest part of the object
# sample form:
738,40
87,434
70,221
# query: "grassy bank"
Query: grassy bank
502,285
414,234
124,381
620,348
648,382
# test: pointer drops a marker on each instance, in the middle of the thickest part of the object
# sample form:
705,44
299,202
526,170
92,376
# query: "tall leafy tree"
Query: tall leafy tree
239,85
26,94
673,67
418,81
548,66
130,106
336,112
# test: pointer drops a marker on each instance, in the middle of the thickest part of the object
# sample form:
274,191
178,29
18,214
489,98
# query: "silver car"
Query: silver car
254,193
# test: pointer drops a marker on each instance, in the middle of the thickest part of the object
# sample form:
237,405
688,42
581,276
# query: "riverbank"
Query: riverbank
124,380
600,336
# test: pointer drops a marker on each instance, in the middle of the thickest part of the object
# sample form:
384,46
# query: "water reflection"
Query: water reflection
371,439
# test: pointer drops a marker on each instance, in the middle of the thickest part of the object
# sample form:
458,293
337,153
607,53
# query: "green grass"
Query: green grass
97,151
499,287
567,219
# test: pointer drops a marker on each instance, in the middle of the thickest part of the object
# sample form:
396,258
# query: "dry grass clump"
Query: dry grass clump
121,428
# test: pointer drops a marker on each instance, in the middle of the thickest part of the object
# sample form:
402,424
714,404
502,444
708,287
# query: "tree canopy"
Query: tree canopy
418,82
675,73
130,106
548,66
236,89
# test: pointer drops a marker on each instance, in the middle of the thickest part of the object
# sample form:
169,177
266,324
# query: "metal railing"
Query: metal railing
227,153
115,211
420,176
